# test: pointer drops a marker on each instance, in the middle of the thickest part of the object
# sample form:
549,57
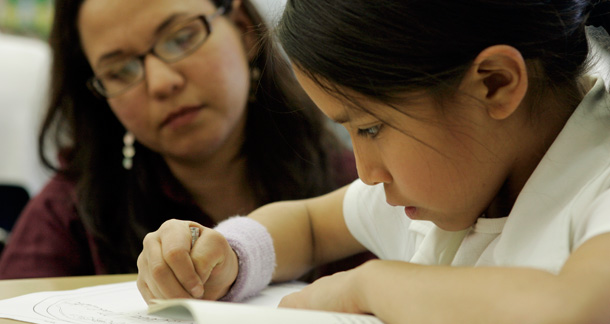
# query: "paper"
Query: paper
106,304
204,312
122,304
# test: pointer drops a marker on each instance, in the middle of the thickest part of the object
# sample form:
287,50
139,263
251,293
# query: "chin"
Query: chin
452,226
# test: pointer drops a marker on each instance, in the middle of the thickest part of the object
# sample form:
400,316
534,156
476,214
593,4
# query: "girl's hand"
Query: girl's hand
169,268
338,293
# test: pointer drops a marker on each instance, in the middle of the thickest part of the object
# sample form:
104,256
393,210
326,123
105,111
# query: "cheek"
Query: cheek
230,76
423,175
129,113
453,184
417,177
227,89
222,70
235,75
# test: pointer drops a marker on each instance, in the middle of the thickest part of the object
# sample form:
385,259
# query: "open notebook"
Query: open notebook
203,312
122,304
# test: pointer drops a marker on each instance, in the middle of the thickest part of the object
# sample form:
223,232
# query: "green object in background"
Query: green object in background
26,17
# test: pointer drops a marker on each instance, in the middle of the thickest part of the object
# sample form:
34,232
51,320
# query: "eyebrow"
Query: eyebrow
352,112
167,22
341,119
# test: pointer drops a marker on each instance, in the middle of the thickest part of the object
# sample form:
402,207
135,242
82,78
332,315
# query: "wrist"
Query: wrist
364,284
252,246
234,266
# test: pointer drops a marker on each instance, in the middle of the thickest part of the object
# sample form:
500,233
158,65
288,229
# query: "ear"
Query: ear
498,78
245,25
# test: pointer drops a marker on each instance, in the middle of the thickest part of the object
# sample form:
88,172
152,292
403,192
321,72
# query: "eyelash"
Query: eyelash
370,132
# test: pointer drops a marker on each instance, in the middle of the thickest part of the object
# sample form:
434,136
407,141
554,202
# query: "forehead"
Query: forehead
106,25
340,110
96,11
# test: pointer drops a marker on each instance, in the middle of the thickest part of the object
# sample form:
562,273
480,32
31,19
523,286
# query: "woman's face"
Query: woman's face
445,168
187,110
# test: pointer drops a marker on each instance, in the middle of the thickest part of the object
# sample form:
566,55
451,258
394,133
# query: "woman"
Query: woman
191,115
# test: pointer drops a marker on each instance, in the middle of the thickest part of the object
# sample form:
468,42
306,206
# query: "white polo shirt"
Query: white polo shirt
565,202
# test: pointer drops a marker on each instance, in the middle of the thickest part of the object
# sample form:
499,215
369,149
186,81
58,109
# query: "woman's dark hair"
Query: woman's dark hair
387,48
286,145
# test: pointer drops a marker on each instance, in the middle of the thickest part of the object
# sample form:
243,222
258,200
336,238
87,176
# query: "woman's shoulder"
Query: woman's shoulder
58,185
57,197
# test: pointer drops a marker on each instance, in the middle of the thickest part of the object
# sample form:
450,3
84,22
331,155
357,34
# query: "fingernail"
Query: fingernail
197,292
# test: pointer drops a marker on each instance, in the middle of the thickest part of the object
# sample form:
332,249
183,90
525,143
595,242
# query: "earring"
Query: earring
128,150
255,75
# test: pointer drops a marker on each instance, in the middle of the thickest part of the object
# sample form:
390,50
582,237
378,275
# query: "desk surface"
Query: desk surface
18,287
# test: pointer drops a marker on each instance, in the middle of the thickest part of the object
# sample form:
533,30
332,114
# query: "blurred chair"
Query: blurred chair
12,201
24,82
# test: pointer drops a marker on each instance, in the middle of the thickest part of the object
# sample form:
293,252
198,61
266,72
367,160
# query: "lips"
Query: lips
180,113
410,211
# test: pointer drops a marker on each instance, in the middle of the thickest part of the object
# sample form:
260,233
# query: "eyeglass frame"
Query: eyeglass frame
95,84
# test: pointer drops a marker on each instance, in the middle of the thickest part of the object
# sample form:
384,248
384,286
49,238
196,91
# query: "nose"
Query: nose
370,165
162,80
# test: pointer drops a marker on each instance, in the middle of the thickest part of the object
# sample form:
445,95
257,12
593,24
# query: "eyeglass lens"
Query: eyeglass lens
177,43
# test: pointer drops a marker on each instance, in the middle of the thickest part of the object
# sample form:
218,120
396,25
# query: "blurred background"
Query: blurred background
33,17
25,61
26,17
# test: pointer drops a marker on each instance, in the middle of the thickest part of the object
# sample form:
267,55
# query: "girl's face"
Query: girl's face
186,110
445,168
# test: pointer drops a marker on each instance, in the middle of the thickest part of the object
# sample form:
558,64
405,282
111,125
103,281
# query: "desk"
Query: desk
18,287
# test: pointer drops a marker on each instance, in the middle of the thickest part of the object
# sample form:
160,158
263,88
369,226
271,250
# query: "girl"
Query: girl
190,114
483,155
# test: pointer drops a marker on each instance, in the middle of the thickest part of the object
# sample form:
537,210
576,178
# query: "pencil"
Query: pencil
194,235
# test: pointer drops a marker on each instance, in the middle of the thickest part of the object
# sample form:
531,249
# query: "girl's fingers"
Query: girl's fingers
145,285
210,256
171,265
156,273
177,256
144,290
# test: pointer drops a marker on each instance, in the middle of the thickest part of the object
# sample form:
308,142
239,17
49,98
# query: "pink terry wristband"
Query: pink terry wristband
254,248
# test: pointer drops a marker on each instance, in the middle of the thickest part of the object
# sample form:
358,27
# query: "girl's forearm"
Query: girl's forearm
400,292
288,224
307,233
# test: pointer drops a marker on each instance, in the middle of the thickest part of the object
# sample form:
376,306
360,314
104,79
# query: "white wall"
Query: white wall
271,9
600,41
24,78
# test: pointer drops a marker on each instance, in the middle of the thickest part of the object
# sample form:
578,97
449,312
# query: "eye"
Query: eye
122,72
183,39
370,132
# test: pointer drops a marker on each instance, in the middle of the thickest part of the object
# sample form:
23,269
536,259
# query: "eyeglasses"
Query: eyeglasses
177,43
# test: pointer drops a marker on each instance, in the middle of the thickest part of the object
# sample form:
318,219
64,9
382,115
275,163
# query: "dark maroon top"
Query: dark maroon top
50,240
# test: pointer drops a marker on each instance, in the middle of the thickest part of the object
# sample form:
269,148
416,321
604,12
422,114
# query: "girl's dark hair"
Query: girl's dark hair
387,48
286,145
